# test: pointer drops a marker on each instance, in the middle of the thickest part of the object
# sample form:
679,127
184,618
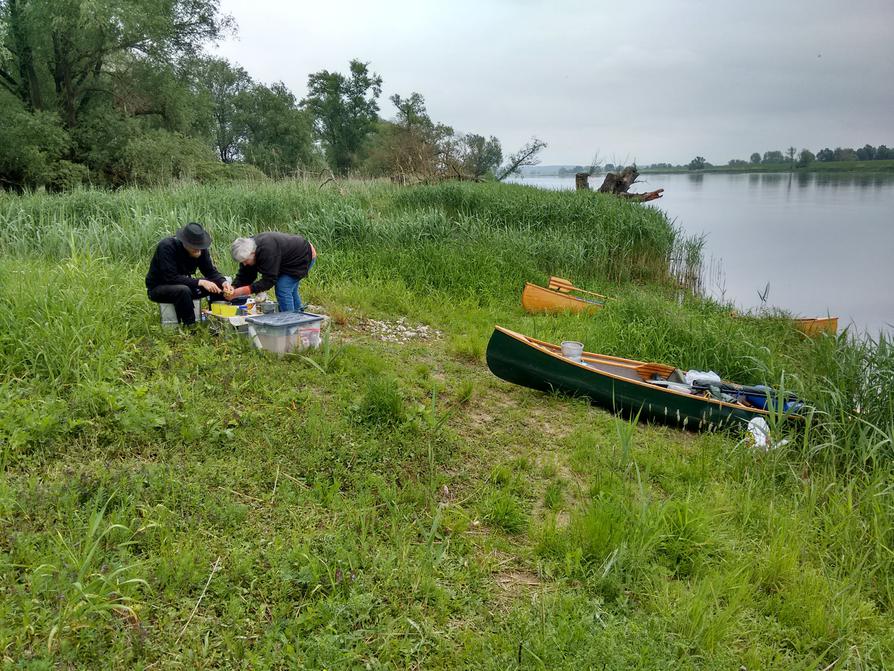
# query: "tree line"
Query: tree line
117,92
803,158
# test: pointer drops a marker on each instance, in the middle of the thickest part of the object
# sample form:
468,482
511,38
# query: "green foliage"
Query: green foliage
90,79
31,149
74,49
528,155
221,173
276,134
223,83
413,145
345,110
480,156
805,158
158,157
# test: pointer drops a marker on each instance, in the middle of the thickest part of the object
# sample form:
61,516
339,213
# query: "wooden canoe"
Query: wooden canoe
814,326
614,383
538,299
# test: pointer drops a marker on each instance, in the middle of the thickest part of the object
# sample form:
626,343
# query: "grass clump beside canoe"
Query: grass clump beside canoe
183,501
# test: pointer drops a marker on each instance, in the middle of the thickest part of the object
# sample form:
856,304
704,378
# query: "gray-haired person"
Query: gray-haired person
281,259
176,259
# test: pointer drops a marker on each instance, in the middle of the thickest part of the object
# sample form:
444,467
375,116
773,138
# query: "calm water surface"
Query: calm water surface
824,243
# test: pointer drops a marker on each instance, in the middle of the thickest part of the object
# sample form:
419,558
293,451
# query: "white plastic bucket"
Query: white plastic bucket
169,313
572,349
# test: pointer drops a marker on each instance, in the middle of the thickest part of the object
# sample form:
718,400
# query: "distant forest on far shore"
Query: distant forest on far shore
865,158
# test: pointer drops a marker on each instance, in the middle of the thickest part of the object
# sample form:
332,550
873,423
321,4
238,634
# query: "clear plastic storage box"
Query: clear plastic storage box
283,332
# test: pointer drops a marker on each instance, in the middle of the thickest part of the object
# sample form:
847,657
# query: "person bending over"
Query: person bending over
282,260
170,277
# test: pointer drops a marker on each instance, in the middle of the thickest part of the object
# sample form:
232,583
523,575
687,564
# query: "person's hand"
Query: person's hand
239,291
227,287
209,286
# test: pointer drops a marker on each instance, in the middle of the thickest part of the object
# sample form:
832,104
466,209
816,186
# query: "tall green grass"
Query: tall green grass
362,499
462,248
583,234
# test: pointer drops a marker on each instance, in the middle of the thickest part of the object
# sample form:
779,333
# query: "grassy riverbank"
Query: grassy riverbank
183,501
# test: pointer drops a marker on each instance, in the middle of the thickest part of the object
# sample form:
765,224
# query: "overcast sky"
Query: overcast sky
652,80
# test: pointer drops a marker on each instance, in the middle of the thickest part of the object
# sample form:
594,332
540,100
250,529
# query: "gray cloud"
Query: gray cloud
654,81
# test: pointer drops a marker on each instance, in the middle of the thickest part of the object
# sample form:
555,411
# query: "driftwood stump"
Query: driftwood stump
618,184
582,181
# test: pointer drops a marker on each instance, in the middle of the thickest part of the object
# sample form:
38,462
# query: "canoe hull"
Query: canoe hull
538,299
815,326
511,357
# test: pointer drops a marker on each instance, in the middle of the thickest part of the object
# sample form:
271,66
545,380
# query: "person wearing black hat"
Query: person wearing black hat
170,277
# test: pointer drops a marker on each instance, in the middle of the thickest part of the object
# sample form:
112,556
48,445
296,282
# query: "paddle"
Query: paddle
644,370
647,370
563,286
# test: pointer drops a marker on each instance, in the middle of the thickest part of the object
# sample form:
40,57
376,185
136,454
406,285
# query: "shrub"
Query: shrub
159,157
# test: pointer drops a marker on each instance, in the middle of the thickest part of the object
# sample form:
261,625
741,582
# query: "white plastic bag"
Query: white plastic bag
710,376
759,432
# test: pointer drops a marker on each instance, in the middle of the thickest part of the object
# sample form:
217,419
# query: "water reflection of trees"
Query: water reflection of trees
866,181
773,178
696,178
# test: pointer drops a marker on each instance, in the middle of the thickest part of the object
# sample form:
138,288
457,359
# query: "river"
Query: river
822,242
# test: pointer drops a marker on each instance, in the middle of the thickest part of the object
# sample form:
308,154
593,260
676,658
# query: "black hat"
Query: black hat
194,235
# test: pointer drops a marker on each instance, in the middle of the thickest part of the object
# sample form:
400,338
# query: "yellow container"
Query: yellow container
224,309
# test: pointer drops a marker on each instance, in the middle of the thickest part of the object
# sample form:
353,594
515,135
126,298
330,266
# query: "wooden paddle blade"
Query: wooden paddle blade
647,370
564,286
560,284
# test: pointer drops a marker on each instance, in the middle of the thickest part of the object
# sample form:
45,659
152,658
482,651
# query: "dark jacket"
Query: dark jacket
275,254
172,264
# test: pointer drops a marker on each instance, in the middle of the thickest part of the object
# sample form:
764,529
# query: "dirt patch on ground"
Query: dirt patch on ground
531,418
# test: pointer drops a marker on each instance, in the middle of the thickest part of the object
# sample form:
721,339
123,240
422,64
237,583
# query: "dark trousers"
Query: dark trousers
181,296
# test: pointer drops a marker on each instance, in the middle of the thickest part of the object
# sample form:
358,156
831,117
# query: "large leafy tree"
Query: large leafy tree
866,153
409,144
805,158
222,84
481,156
345,109
276,134
844,154
105,72
60,55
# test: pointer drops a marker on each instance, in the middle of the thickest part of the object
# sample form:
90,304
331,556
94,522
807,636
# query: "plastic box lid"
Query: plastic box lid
285,319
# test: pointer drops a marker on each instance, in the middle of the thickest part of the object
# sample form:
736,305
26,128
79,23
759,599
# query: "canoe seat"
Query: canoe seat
619,369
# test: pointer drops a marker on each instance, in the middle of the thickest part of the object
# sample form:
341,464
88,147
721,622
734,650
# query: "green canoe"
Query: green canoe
614,383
